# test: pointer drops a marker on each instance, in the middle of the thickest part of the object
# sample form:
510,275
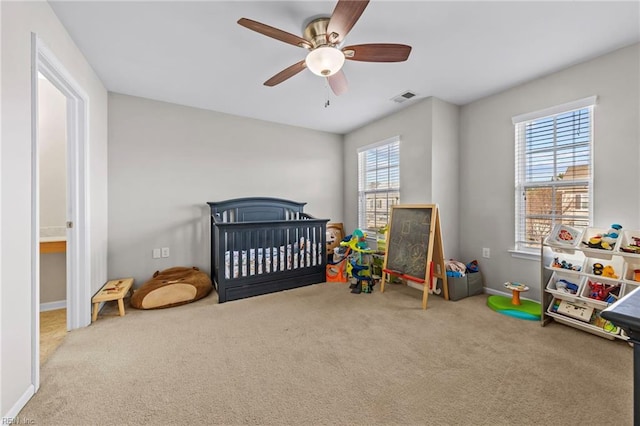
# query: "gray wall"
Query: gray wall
428,133
166,161
487,159
19,21
53,277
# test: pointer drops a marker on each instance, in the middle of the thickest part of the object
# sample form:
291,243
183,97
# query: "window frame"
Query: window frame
520,123
363,207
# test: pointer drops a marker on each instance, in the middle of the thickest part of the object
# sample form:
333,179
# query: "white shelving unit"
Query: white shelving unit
568,265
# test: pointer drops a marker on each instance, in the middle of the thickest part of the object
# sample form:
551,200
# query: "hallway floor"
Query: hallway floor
53,329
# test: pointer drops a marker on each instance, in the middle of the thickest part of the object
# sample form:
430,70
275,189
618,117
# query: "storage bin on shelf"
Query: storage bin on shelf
562,284
601,292
629,287
606,267
564,236
591,320
603,324
597,252
632,271
576,311
567,263
629,242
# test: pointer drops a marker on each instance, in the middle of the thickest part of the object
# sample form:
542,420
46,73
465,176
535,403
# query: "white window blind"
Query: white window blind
378,183
553,173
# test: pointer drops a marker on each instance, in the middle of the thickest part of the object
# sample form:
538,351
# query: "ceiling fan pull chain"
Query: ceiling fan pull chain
326,87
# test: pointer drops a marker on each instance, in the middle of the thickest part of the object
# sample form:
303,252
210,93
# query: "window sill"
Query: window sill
527,255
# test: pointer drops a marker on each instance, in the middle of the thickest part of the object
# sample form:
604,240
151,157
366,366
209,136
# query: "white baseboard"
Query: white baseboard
10,417
52,306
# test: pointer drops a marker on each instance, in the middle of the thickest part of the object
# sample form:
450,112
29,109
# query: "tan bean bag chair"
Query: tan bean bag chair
172,287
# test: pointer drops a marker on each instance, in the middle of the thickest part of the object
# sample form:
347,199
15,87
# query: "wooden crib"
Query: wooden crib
263,245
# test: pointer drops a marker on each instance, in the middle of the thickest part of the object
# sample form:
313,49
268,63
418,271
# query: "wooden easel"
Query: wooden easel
412,229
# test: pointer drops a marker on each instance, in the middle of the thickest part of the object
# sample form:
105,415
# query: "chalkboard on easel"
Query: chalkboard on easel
408,240
414,247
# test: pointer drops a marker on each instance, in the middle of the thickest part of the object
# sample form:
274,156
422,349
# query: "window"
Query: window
378,183
553,171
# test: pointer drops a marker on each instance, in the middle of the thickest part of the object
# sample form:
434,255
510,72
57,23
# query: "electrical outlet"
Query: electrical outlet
165,251
486,252
156,253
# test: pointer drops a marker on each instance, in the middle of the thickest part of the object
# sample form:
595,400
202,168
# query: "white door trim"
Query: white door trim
78,237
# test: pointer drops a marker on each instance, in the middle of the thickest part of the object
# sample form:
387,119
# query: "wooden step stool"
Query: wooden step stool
112,290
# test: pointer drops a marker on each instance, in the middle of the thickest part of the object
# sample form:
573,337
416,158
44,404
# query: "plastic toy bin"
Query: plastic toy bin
567,263
617,263
586,290
597,252
627,241
632,272
557,290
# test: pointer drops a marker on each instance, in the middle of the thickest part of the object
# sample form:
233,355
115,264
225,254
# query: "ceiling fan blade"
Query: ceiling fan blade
274,33
338,83
285,74
377,52
344,17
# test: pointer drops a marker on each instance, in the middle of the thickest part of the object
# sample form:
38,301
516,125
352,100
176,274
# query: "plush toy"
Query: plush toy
172,287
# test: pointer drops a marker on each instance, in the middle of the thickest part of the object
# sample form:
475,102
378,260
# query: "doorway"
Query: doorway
52,152
75,228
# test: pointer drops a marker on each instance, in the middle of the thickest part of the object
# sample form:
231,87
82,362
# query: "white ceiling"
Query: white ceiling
195,54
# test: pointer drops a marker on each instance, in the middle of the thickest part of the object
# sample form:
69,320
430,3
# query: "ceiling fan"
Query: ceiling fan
322,37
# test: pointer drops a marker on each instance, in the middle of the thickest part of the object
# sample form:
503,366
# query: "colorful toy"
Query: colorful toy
557,263
634,247
381,241
604,292
607,240
597,268
513,306
567,286
358,267
609,272
338,267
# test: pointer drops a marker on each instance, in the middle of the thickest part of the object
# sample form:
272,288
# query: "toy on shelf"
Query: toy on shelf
604,271
602,323
564,235
609,272
563,264
608,293
567,286
634,247
597,268
607,240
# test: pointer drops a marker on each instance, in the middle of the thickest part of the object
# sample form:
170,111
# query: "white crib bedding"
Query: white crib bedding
261,260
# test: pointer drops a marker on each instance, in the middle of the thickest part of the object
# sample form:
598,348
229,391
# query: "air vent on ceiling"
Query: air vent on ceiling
403,97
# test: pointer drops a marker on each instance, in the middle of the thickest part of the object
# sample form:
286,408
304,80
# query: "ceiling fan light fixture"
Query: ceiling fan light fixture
325,61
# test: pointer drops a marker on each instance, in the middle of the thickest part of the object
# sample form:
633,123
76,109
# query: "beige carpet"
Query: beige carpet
321,355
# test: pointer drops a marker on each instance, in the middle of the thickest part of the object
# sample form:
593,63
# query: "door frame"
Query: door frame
78,235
